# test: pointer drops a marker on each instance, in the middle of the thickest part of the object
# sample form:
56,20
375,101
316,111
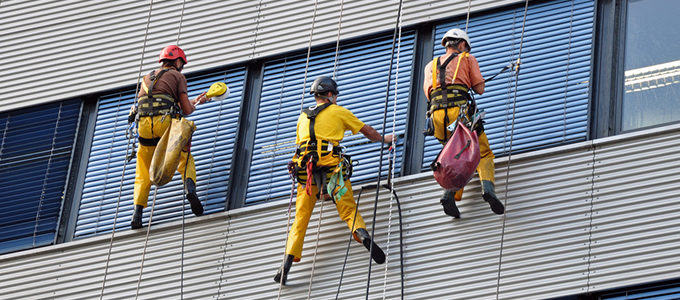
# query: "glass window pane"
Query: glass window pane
652,64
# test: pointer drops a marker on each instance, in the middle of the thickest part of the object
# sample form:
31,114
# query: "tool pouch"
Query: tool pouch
168,151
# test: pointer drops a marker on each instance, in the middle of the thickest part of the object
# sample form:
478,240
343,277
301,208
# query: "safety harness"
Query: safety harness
159,104
444,97
308,155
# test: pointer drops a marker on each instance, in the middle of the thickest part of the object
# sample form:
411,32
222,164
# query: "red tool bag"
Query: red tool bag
456,163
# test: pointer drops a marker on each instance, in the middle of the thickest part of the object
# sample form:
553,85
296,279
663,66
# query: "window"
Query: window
212,148
362,80
554,80
660,291
651,63
35,156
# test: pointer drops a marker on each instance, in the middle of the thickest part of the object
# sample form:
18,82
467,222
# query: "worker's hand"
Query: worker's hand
200,99
388,139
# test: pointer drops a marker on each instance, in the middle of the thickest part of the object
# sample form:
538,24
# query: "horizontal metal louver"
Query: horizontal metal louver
554,79
362,79
212,148
88,39
577,222
35,156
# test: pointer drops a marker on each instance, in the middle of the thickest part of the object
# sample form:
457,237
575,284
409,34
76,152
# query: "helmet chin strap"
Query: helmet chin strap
330,99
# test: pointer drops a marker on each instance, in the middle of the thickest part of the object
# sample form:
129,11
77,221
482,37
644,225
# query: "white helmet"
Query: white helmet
456,34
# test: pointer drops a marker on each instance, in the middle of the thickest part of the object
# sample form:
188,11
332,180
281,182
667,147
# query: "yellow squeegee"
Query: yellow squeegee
218,91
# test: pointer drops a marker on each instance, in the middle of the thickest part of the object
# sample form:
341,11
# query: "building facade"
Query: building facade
586,137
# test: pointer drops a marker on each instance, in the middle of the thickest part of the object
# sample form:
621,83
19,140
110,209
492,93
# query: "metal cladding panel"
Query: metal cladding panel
552,98
362,80
75,48
636,213
36,146
212,148
235,254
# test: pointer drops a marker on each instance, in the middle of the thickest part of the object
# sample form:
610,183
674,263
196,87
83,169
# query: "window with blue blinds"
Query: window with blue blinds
35,155
362,79
212,147
657,292
554,80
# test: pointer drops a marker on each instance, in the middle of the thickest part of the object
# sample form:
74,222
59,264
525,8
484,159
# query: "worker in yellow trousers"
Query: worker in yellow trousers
163,97
448,80
318,160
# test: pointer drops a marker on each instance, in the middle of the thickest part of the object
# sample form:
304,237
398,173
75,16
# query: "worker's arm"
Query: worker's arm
373,135
479,88
189,106
185,104
427,84
476,78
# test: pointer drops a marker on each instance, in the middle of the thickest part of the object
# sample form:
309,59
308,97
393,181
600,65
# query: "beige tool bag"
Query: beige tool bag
168,151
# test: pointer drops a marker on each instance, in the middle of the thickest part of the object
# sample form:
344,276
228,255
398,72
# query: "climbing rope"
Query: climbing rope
309,52
392,155
146,240
181,18
566,80
512,130
397,30
468,16
207,186
318,229
302,103
120,188
337,43
316,246
153,205
292,176
47,174
186,166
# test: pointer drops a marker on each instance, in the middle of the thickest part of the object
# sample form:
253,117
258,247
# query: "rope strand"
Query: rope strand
120,189
337,43
302,103
146,240
512,130
47,174
377,191
392,155
316,248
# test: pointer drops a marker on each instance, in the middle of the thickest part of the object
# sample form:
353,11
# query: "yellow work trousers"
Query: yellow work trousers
145,153
486,168
304,205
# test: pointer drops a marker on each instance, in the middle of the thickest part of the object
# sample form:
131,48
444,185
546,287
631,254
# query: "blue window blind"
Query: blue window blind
212,147
362,79
659,292
552,97
35,155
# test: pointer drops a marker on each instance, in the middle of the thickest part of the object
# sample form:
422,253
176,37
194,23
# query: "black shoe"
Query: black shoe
490,197
137,217
378,255
448,201
286,268
190,192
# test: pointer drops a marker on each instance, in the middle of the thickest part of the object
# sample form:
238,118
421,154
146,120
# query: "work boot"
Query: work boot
378,255
190,192
137,217
448,201
286,268
490,197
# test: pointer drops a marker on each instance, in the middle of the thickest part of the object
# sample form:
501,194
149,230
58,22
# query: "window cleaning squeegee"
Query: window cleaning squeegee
218,91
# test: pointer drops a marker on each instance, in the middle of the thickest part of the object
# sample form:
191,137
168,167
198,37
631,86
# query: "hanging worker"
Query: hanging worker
163,96
320,129
446,86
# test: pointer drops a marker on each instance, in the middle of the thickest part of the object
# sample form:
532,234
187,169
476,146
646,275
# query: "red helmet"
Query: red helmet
172,52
